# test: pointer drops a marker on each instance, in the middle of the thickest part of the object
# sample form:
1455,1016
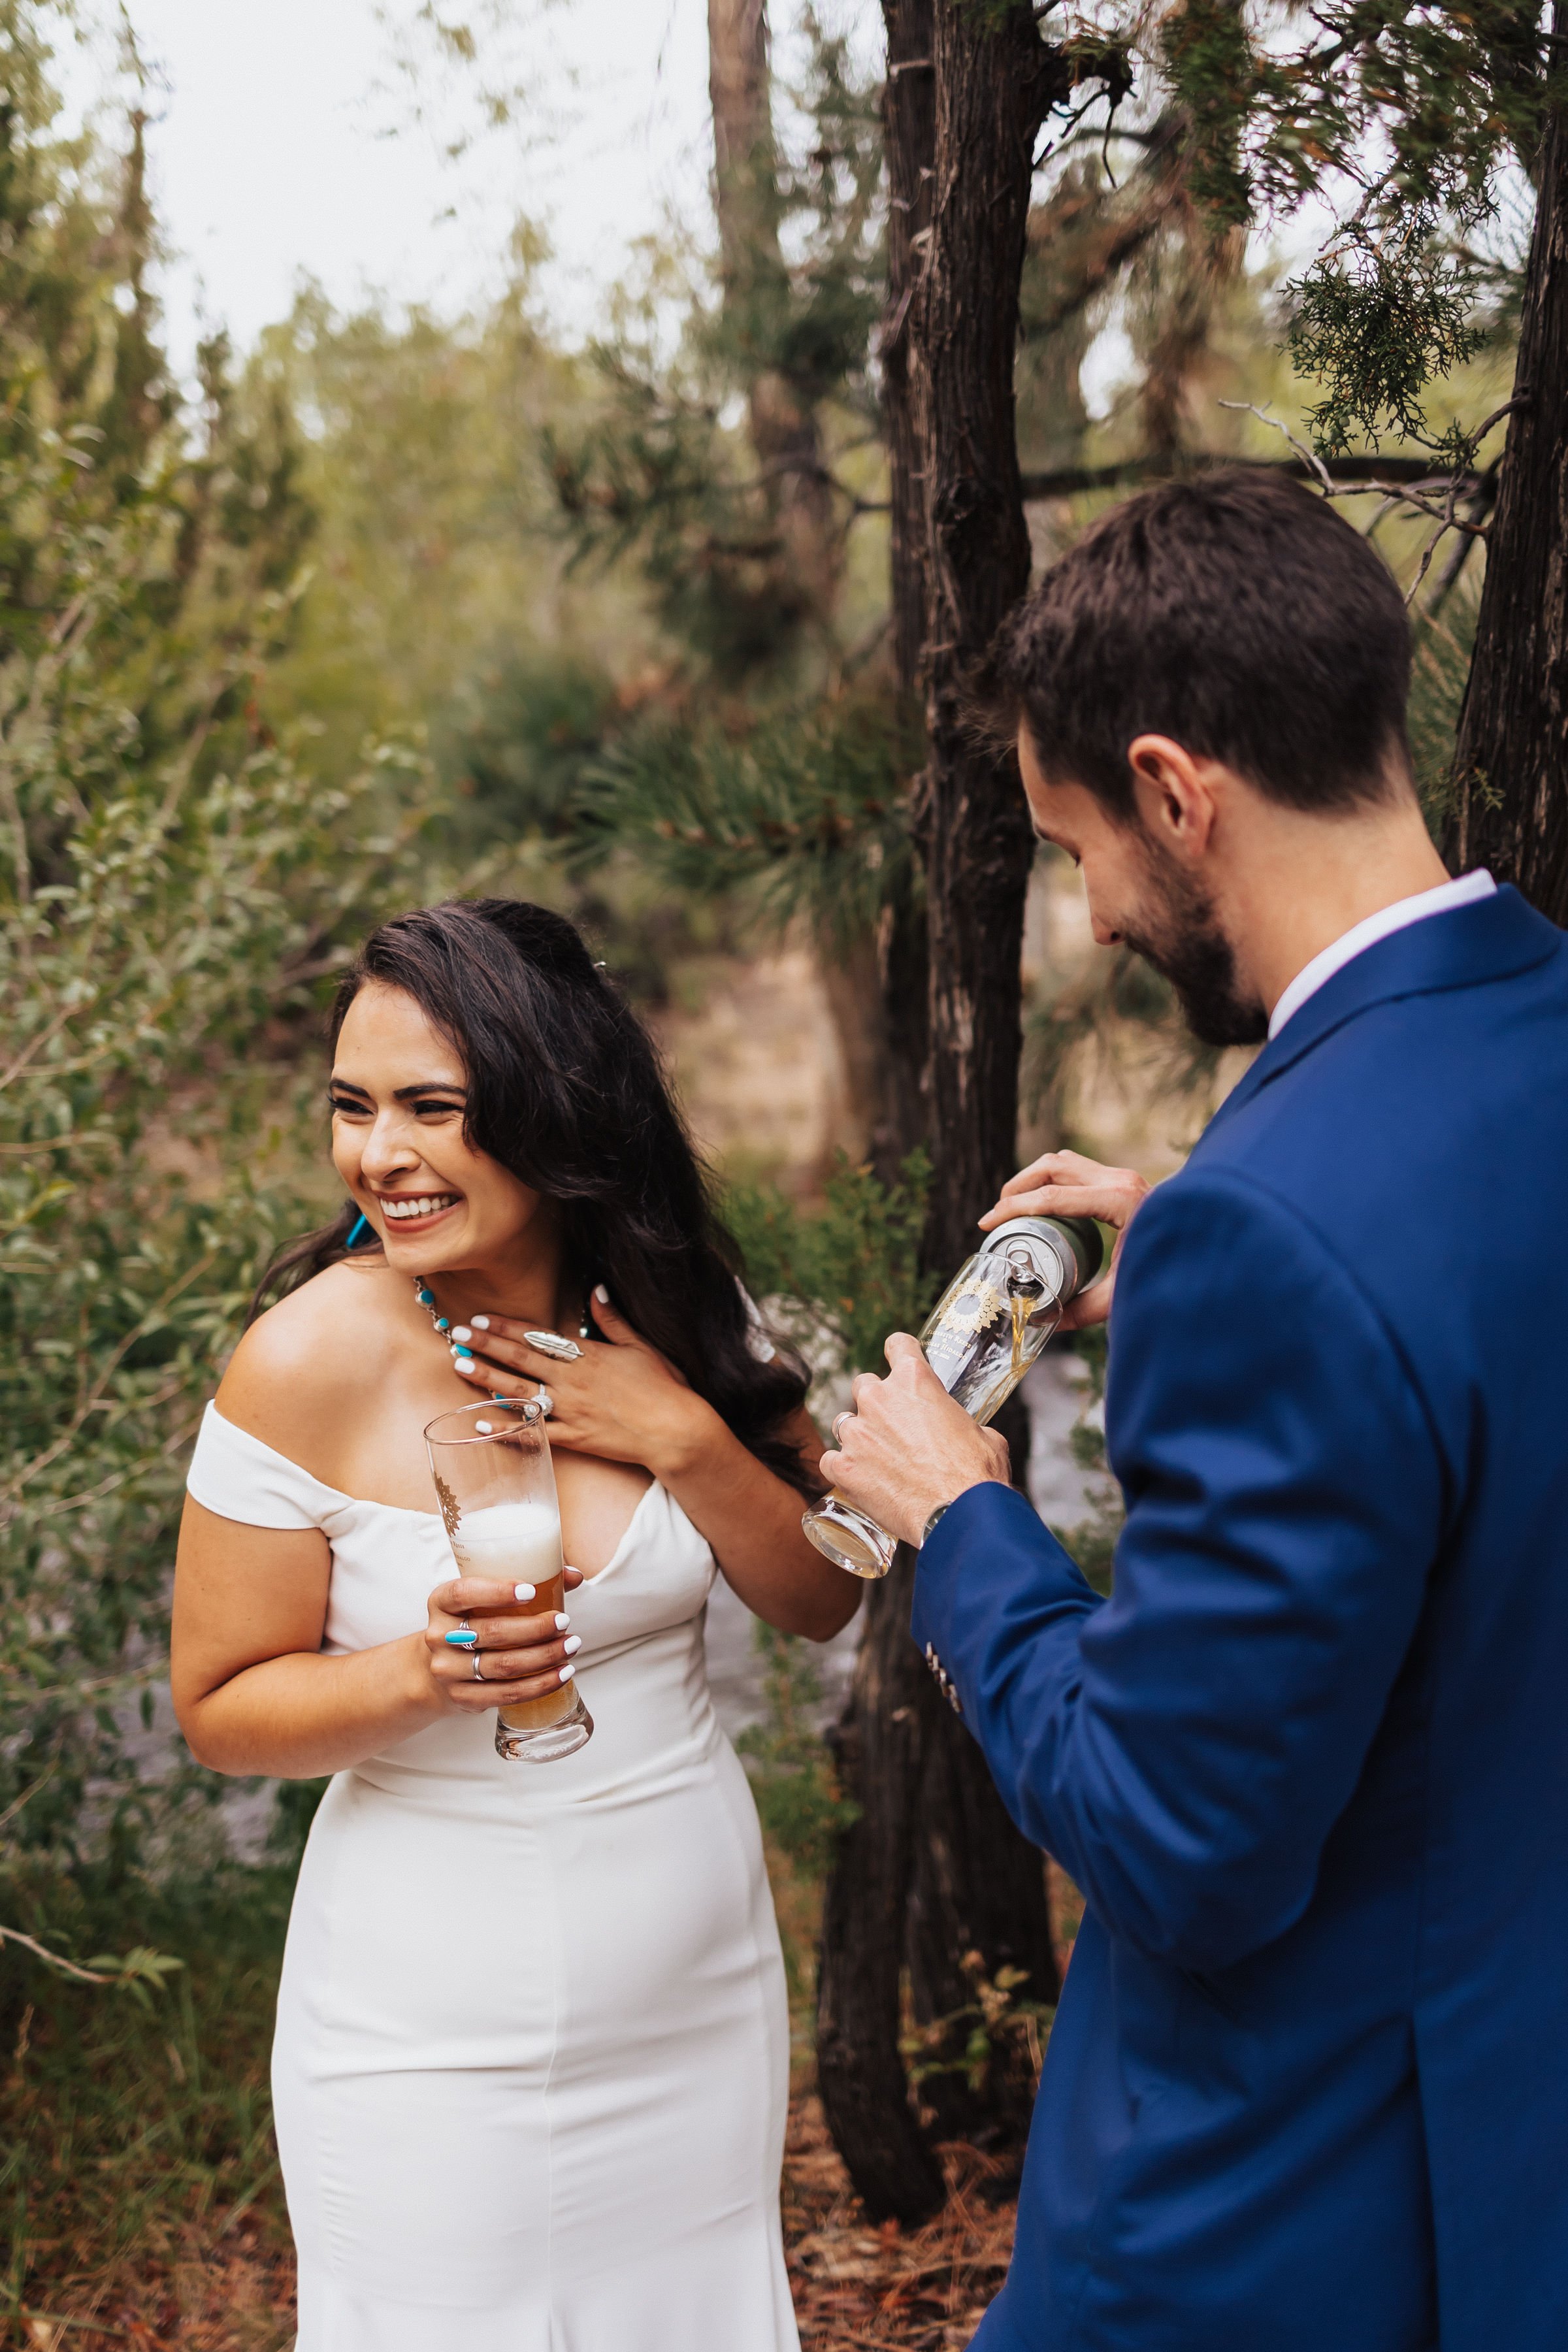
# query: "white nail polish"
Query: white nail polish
562,1621
572,1645
524,1591
601,1294
481,1322
567,1672
462,1333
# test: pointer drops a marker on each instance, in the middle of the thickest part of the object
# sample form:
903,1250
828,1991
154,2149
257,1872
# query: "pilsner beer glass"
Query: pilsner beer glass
497,1491
979,1339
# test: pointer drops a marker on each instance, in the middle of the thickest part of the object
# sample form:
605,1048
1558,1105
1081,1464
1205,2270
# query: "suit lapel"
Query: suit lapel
1489,940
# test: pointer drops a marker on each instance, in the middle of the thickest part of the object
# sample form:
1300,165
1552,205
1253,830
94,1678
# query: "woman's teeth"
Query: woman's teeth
405,1213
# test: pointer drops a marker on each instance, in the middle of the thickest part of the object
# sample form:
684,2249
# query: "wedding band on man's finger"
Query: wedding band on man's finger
838,1421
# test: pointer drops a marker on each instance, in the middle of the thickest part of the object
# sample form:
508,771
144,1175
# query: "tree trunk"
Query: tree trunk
909,131
875,987
933,1879
784,427
994,83
877,1746
1510,771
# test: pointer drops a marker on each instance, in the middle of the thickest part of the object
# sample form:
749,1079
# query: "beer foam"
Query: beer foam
516,1542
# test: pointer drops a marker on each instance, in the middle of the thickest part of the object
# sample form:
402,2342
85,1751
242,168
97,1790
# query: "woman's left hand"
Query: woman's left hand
620,1399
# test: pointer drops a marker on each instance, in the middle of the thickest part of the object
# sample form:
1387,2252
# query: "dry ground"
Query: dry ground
856,2286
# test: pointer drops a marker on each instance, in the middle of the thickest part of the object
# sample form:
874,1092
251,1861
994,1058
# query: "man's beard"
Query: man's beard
1181,937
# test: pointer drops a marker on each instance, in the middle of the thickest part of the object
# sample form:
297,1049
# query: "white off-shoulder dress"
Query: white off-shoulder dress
531,2070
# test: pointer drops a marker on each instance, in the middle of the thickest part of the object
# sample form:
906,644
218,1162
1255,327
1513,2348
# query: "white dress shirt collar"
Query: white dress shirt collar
1363,935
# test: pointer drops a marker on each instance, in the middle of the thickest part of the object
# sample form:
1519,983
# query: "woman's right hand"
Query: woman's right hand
519,1656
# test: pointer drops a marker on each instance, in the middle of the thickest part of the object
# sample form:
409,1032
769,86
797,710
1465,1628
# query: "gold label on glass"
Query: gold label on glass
448,1502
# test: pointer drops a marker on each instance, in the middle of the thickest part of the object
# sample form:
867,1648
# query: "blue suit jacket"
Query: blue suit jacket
1308,2087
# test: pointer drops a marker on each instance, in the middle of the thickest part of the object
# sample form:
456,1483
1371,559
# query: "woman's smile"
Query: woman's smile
416,1208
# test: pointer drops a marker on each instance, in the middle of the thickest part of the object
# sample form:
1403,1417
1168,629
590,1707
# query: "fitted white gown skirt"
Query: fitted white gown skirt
532,2067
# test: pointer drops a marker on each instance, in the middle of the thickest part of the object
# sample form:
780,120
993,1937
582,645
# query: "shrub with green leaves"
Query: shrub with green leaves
165,892
835,1281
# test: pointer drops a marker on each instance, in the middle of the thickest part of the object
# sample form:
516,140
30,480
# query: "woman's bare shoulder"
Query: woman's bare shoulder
291,1376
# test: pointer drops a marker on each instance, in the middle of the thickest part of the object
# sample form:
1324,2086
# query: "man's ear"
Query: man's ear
1174,793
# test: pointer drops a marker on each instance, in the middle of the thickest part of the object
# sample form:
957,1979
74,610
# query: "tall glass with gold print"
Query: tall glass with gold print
496,1486
979,1339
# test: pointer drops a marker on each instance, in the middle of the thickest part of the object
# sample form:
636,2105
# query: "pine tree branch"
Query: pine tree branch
1370,473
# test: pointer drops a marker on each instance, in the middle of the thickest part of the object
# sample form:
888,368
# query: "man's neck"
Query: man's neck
1305,879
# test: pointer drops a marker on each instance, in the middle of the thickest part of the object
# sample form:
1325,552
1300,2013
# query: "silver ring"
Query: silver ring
838,1421
478,1657
552,1343
544,1401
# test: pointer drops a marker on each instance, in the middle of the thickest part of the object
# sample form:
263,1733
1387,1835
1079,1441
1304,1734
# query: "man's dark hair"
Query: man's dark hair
1236,612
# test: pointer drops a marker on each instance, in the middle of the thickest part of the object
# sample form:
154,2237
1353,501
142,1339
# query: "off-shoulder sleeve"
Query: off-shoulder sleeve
238,1477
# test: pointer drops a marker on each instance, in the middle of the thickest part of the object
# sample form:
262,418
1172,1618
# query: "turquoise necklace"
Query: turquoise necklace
442,1325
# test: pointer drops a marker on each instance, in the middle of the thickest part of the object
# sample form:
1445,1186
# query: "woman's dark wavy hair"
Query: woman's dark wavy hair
565,1091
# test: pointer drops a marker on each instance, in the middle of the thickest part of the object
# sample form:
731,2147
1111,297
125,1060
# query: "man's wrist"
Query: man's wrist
933,1519
942,1502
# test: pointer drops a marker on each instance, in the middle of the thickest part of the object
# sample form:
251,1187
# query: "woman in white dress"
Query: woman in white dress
531,2058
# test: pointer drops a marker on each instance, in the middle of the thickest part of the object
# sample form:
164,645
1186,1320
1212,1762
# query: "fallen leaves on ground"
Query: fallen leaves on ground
860,2286
233,2292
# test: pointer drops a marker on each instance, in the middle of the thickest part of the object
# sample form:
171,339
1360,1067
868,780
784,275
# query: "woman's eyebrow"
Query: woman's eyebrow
401,1094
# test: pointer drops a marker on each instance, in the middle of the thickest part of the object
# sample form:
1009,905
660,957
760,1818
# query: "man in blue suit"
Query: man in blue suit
1308,2087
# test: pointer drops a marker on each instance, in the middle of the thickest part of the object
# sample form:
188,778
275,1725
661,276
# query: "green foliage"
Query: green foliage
1379,323
1440,96
1208,58
1075,1028
437,597
806,809
658,475
128,2126
791,1774
663,470
1439,672
517,746
997,2026
840,1278
1408,122
152,910
169,880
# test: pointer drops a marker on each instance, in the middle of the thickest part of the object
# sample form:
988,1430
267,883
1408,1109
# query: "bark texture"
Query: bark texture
909,131
994,84
933,1886
1511,773
878,1747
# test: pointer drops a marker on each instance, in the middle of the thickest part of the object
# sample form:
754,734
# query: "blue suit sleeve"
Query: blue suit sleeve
1184,1748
